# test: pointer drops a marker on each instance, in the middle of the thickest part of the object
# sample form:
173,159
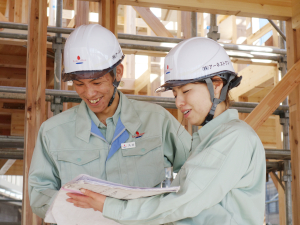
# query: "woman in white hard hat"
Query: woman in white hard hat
223,180
87,138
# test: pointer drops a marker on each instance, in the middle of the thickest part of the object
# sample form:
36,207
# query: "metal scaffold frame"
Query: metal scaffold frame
57,96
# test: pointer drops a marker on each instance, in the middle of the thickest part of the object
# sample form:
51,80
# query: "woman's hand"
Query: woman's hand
88,200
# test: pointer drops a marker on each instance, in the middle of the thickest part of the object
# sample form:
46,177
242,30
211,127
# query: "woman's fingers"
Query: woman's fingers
79,203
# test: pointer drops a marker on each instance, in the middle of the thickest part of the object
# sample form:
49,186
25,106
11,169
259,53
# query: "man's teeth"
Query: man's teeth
185,112
94,101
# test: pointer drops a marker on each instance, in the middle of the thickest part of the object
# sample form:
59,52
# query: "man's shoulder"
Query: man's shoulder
61,119
148,107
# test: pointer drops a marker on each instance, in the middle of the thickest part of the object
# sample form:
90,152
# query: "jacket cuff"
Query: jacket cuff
113,208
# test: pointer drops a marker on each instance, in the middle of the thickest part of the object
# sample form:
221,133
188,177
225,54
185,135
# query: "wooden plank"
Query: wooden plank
238,8
268,105
255,78
25,4
153,22
81,13
15,61
293,55
261,32
35,94
18,11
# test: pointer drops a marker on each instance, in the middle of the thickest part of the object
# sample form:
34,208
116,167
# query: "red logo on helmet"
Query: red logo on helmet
167,67
78,57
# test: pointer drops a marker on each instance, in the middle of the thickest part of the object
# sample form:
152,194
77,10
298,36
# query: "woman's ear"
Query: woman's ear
218,85
119,73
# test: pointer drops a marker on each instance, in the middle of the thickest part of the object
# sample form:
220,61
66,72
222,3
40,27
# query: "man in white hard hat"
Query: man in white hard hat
107,136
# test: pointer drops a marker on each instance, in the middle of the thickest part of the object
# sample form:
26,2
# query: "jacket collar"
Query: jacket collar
128,115
225,117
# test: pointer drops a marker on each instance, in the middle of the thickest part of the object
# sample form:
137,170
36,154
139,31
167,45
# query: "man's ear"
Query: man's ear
119,73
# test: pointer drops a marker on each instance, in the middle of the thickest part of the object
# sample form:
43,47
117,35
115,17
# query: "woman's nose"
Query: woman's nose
179,102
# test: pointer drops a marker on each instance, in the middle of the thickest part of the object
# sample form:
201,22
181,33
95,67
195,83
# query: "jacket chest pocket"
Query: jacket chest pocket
75,162
145,162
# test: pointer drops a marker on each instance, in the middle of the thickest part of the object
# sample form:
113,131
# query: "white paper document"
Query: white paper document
65,213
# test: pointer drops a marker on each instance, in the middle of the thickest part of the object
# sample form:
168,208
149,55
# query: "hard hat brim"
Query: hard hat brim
175,83
89,74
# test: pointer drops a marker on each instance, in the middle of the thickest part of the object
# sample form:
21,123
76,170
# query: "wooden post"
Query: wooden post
293,55
81,13
108,12
35,93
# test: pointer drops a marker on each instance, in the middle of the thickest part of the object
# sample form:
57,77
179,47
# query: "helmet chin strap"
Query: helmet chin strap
115,84
215,101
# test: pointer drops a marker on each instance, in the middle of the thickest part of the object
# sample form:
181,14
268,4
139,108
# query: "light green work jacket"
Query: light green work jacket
70,144
221,183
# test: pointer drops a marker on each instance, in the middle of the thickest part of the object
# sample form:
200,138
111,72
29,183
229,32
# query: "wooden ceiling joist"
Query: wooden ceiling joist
278,10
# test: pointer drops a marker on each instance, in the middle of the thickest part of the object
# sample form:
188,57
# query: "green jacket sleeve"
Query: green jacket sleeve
43,181
204,181
177,142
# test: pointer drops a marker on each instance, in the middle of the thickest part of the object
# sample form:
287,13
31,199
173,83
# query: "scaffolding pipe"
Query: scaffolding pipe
277,29
150,38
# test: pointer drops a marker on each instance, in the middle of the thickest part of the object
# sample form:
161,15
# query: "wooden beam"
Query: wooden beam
17,124
221,18
293,55
15,61
72,23
153,22
261,32
142,82
250,62
268,9
186,28
35,93
255,78
81,13
18,11
7,166
12,74
296,21
268,105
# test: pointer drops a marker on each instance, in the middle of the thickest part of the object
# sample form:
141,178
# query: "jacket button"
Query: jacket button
79,159
143,149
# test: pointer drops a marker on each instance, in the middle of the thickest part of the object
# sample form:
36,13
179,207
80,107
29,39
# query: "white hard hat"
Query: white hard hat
91,51
193,60
198,60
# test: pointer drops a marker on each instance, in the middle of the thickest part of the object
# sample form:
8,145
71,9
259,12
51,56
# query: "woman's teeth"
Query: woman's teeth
94,101
185,112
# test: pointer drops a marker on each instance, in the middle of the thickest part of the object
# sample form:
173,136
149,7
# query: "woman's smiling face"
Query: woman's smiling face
193,100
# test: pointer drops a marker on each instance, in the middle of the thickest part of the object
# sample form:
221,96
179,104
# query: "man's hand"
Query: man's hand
88,200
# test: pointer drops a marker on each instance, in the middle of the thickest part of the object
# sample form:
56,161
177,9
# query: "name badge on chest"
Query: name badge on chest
128,145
